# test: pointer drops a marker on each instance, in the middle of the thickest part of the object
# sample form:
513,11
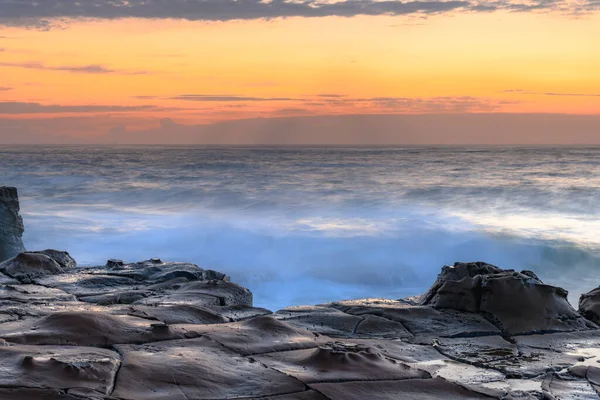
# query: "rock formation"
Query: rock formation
174,331
11,224
516,302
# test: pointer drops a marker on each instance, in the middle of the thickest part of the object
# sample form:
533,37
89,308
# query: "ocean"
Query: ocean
312,225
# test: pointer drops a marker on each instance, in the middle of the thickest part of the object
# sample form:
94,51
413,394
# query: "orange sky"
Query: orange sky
134,72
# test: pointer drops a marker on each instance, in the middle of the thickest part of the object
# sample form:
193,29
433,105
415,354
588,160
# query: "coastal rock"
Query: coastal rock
25,267
515,302
259,335
86,329
423,322
58,367
159,330
340,362
589,305
411,389
63,258
195,369
11,224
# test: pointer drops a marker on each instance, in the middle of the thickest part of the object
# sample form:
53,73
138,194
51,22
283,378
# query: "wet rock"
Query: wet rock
516,302
195,369
340,362
411,389
155,271
46,367
564,386
36,394
32,294
202,293
259,335
192,314
125,297
335,323
423,322
11,224
85,329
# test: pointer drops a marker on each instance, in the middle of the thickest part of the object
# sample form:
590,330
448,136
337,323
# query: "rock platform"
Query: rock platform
155,330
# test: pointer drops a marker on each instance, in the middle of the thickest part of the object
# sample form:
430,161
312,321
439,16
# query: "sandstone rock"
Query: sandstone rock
62,367
411,389
11,224
195,369
259,335
335,323
423,322
516,302
86,329
340,362
37,394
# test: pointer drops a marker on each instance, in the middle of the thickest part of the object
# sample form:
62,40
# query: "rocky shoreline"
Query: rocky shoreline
174,331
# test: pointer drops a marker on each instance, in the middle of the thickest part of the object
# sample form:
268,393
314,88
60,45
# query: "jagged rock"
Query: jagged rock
11,224
516,302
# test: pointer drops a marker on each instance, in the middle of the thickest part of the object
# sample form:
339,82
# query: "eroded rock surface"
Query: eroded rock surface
516,302
159,330
11,224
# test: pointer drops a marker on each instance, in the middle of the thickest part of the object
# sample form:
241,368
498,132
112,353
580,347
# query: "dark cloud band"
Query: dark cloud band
41,14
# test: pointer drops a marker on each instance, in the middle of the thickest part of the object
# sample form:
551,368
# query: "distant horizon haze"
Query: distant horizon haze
323,130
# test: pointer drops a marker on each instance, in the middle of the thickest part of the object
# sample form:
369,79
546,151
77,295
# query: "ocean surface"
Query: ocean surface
312,225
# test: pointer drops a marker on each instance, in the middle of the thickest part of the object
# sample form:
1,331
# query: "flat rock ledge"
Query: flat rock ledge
155,330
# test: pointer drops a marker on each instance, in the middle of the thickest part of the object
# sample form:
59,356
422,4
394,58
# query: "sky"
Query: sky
300,71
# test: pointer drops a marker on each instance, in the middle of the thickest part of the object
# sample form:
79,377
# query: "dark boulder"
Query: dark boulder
63,258
11,224
25,267
516,302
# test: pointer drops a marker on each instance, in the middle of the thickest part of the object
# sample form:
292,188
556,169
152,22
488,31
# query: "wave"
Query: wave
288,259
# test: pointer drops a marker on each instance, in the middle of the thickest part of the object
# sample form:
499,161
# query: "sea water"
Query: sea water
312,225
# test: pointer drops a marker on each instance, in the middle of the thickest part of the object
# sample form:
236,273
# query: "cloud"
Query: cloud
44,15
88,69
38,14
409,104
5,89
19,108
520,91
227,98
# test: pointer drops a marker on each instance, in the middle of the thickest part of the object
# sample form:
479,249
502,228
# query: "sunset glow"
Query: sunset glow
131,73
